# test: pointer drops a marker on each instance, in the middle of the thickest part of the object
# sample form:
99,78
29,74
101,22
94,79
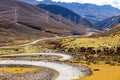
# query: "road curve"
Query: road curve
66,72
64,56
51,38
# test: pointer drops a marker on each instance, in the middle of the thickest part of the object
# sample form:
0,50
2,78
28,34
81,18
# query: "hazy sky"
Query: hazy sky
115,3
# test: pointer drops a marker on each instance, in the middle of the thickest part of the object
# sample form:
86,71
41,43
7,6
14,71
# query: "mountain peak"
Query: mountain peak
47,0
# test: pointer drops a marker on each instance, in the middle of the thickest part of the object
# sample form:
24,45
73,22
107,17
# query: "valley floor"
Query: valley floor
97,64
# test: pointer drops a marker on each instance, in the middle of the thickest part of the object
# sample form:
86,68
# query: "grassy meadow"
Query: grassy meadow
110,41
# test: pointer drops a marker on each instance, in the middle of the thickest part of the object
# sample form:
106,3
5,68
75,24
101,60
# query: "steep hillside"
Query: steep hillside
114,31
109,23
19,20
66,13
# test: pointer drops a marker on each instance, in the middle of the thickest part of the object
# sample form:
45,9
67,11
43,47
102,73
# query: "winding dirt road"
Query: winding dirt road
64,56
66,72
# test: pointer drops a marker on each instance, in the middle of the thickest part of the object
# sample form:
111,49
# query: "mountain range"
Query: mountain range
20,20
66,13
91,12
23,21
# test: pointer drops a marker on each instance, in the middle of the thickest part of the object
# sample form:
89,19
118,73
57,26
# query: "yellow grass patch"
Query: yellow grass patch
19,70
21,41
106,72
110,41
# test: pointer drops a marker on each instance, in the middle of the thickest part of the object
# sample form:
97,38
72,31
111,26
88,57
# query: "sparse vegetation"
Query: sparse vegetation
19,70
101,54
12,51
90,49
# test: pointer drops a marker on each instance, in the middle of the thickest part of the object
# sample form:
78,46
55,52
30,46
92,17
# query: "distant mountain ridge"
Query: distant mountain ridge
92,12
109,22
31,1
66,13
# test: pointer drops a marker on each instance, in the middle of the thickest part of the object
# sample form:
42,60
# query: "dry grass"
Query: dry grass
19,70
110,41
12,51
105,72
18,42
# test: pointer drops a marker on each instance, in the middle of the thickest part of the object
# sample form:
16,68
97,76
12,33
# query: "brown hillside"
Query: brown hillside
31,23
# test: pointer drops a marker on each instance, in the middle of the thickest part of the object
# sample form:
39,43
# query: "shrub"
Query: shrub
96,69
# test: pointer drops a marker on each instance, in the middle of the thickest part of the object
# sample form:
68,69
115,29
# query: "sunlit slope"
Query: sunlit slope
110,41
